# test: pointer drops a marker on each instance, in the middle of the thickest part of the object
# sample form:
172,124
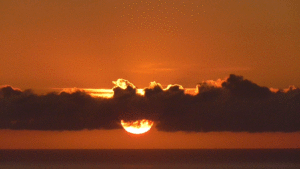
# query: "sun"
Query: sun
137,127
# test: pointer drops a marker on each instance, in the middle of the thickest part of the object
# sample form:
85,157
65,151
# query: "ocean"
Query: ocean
151,159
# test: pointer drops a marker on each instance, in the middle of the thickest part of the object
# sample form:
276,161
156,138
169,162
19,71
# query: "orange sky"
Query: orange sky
88,44
119,139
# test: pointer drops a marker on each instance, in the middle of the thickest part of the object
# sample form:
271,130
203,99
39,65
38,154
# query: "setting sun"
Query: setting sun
137,127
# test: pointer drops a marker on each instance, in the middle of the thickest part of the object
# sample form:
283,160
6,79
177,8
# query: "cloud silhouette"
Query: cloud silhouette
234,104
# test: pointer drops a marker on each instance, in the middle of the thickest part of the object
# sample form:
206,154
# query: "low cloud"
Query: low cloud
233,104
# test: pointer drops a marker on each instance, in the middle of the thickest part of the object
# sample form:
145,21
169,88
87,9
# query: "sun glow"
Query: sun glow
137,127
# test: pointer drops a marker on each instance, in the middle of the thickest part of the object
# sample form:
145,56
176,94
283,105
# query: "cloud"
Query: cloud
150,68
234,104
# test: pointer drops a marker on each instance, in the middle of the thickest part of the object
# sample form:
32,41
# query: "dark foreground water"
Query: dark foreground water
148,159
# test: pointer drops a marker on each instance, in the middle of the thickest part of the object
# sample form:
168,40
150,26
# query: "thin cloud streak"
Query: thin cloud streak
234,104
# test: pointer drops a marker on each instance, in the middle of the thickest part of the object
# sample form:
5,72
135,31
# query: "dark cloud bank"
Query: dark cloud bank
237,105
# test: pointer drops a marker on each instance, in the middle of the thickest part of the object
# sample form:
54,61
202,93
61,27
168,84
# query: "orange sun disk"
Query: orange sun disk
137,127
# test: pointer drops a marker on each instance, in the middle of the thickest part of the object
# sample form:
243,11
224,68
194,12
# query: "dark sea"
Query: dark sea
151,159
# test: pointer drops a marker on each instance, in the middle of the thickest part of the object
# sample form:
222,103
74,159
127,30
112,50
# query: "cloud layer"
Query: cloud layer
234,104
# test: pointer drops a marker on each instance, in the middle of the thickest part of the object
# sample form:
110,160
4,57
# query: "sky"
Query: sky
253,47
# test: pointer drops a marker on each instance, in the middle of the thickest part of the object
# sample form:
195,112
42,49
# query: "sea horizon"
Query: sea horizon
151,158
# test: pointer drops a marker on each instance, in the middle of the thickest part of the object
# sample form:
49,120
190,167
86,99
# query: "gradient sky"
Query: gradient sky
88,44
91,43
